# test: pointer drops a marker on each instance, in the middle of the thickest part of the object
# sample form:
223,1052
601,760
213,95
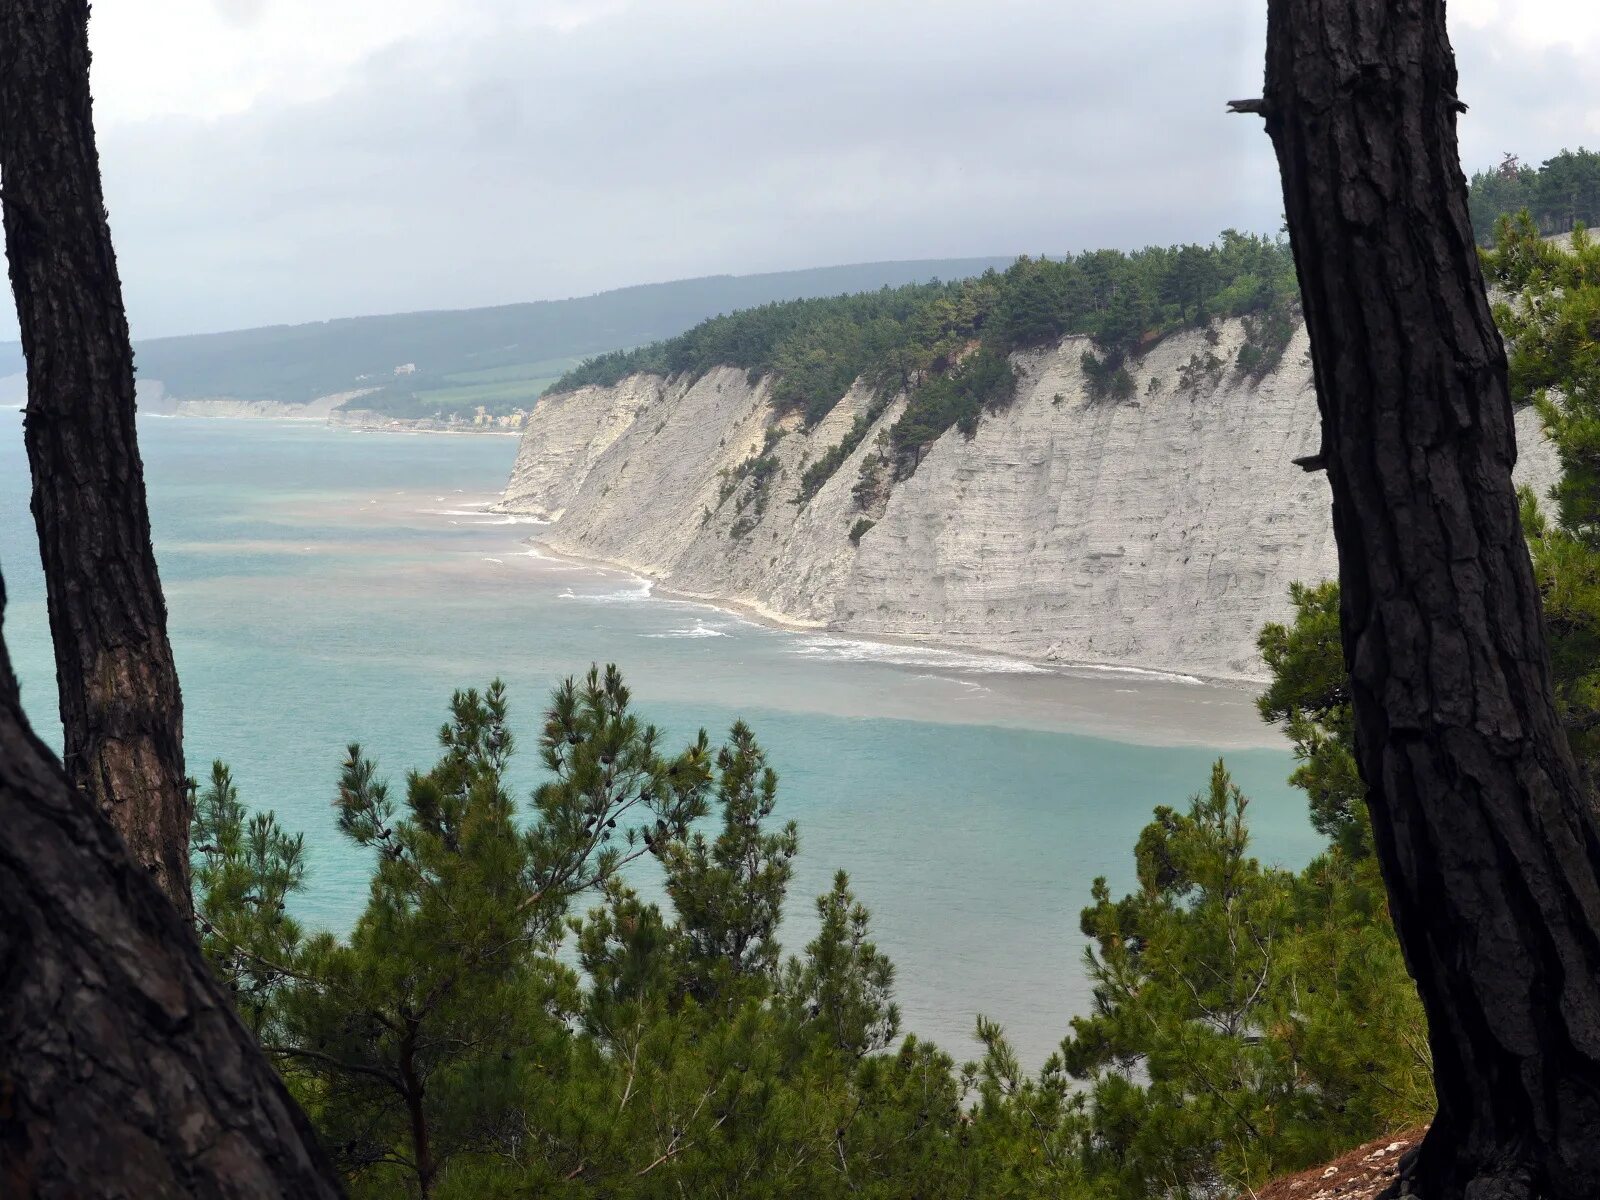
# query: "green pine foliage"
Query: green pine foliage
729,892
511,1015
844,985
1267,333
749,485
956,398
1310,697
247,867
451,1046
1558,195
1247,1021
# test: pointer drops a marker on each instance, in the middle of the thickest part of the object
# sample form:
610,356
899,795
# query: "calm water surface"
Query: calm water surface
328,586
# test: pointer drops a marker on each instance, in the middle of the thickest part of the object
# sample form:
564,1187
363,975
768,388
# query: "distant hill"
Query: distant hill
501,358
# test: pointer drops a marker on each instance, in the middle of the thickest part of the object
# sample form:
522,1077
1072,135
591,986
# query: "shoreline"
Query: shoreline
516,433
328,423
760,614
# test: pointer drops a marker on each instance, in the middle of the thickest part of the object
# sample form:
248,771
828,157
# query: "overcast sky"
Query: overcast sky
290,160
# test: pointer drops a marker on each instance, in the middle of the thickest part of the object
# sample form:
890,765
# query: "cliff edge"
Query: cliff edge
1157,531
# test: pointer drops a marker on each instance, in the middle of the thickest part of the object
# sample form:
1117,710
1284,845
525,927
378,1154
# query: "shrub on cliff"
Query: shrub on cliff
958,398
1106,378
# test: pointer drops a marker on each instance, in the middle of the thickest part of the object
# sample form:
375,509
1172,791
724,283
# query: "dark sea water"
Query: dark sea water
328,586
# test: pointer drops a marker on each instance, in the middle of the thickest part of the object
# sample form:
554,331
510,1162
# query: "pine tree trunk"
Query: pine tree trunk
123,1069
121,712
1487,841
421,1149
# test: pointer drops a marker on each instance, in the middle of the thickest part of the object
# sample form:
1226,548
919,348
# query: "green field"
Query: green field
549,368
495,397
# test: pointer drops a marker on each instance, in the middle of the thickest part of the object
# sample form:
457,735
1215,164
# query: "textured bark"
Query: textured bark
121,712
1487,840
123,1069
421,1151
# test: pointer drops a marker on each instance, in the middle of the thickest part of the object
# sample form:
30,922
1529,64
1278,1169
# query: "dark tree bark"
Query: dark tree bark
123,1069
121,712
1487,841
413,1090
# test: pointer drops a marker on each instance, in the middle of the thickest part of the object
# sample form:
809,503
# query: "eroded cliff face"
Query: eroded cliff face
1160,531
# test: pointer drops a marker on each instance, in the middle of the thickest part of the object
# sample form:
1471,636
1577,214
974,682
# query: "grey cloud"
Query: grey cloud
509,160
240,12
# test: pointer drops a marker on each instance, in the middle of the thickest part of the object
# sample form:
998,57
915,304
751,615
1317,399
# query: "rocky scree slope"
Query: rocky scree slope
1157,531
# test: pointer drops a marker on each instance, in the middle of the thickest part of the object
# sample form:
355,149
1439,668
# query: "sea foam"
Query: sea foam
896,654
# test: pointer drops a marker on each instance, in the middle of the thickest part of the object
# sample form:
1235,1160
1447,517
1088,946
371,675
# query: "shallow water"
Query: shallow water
328,586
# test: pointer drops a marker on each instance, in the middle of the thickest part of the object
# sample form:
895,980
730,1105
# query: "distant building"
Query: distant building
406,369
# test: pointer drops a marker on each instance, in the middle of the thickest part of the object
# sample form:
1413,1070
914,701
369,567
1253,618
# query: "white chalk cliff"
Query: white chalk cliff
1159,531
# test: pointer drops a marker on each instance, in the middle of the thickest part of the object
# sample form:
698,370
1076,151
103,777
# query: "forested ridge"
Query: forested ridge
504,357
945,345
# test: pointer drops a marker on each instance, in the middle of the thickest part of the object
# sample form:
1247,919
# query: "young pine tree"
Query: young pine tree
728,892
1233,1035
244,871
423,1038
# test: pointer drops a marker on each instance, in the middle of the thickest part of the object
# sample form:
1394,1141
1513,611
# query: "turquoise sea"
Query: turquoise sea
328,586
